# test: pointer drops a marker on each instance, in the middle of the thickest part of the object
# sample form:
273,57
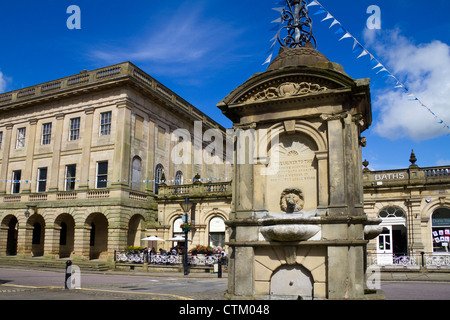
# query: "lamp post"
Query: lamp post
186,206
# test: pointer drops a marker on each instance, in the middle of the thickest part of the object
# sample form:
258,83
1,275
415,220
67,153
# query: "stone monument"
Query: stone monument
297,222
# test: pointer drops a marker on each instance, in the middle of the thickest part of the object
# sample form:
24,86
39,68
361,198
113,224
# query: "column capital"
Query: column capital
125,104
89,110
33,121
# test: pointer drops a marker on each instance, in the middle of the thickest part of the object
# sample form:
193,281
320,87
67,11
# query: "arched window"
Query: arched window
440,229
158,175
179,178
217,232
391,212
136,174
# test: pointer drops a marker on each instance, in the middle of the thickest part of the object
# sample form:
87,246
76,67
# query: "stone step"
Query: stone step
54,264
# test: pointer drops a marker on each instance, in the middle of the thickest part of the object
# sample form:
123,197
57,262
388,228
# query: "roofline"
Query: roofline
106,76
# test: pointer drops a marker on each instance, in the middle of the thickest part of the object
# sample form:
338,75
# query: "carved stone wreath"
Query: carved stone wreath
292,201
286,90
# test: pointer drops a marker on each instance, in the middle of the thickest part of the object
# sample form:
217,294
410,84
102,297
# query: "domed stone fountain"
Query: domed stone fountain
298,227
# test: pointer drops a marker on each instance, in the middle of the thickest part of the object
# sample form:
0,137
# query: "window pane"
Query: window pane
46,133
105,124
70,177
17,175
74,133
42,180
102,175
1,139
20,138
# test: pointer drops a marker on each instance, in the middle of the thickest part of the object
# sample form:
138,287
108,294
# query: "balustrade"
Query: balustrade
428,260
437,172
161,259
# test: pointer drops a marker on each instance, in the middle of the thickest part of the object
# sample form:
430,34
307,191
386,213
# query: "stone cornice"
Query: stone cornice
122,74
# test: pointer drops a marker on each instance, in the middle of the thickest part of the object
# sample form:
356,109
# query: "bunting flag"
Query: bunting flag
276,28
379,68
168,181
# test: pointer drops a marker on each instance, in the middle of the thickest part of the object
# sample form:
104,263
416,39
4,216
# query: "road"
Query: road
20,284
24,284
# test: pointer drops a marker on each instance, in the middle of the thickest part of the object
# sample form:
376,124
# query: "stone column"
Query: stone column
56,156
81,241
51,241
121,165
27,173
24,239
150,165
241,276
5,160
322,167
336,163
86,149
4,229
413,219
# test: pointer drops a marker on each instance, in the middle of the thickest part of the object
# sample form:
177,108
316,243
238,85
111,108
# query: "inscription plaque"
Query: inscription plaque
294,157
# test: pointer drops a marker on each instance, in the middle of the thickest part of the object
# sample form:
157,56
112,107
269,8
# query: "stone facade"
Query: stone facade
81,154
297,221
409,201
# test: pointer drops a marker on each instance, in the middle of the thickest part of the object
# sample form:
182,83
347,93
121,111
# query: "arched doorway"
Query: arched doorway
292,282
10,225
65,224
98,236
393,241
177,232
36,225
135,231
217,232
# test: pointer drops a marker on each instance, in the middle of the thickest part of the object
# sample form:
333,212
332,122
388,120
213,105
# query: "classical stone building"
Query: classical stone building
414,205
81,159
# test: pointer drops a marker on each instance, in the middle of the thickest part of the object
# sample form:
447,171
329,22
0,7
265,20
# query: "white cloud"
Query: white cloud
2,82
424,70
188,37
443,162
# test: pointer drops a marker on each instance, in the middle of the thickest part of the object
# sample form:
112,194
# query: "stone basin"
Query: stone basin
290,232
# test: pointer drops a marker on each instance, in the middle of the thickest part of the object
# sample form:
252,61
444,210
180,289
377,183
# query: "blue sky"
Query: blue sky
203,49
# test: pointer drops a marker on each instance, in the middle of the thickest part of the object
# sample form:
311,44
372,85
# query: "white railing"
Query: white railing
437,172
161,259
422,259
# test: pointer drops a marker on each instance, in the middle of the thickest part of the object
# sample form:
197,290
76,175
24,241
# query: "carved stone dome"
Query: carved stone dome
303,56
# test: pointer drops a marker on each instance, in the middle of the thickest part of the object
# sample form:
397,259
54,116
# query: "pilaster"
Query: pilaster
56,156
121,165
5,160
86,149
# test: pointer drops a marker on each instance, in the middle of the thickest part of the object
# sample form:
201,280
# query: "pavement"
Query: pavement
20,283
433,276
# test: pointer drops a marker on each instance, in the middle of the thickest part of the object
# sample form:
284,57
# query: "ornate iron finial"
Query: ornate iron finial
299,25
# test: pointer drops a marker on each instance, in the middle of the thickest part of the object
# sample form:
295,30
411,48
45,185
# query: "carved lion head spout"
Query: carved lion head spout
292,201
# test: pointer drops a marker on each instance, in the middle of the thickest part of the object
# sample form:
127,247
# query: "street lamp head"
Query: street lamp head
186,205
27,212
